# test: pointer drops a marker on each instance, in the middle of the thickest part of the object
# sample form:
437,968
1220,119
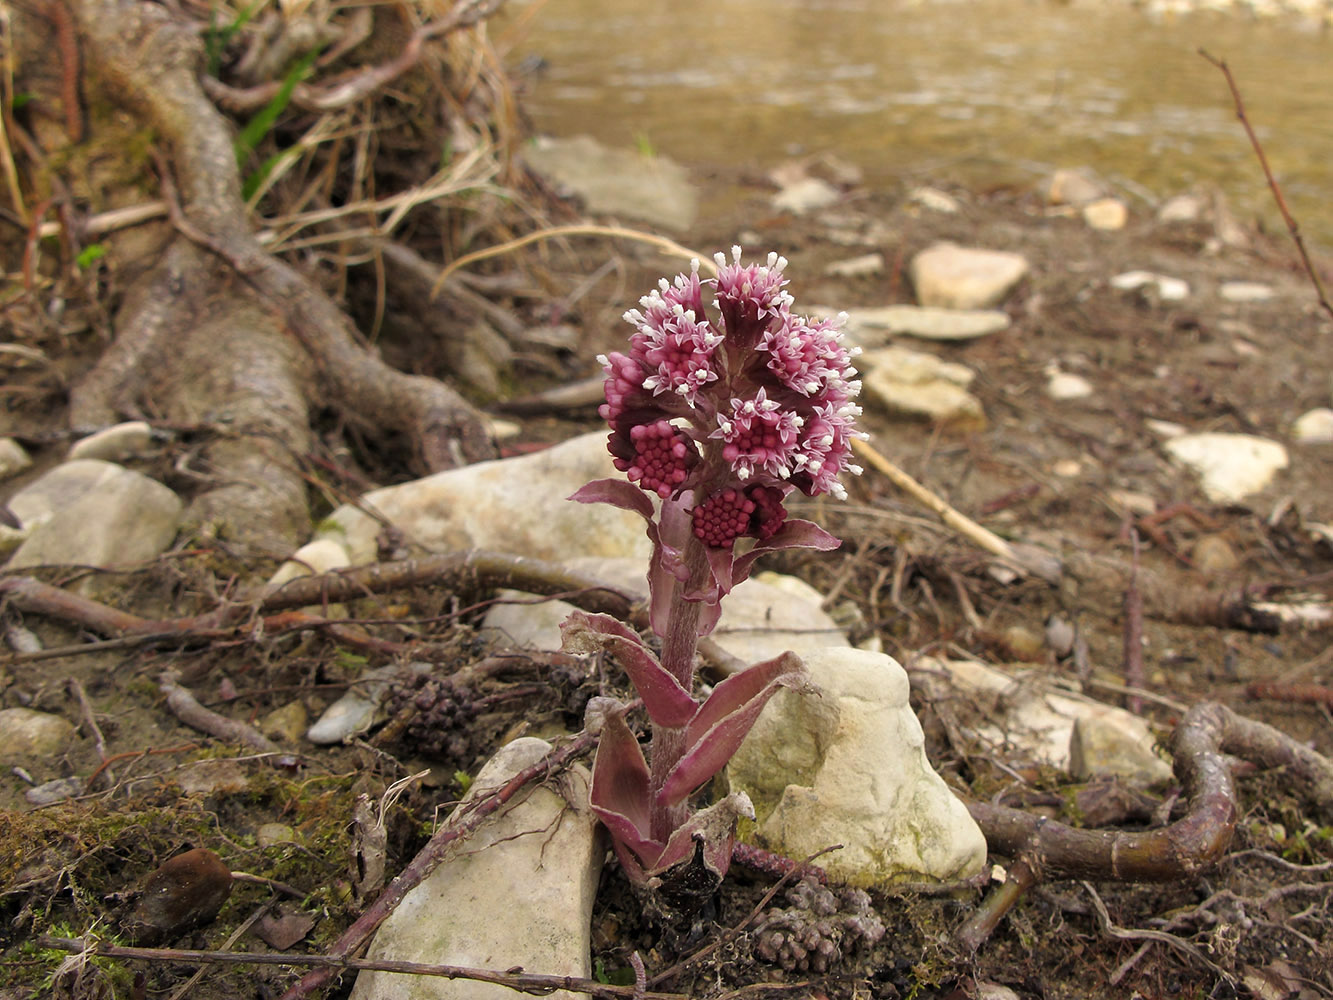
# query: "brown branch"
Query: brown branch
186,707
461,823
1310,694
1044,850
479,569
1287,217
523,982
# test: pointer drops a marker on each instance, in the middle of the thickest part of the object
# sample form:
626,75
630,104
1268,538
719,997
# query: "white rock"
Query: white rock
94,513
964,278
114,443
1314,426
870,326
1246,291
320,556
1230,466
806,195
848,766
857,267
762,617
1118,745
356,711
618,182
41,734
13,458
55,790
512,505
935,200
1074,187
1066,385
1168,289
921,385
1106,214
1165,428
517,894
1031,719
1181,208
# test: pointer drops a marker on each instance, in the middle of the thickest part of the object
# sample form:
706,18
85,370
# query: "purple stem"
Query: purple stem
678,649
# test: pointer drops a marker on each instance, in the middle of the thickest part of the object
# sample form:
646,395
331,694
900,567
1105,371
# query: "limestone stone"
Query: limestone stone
870,327
1066,385
762,617
955,277
857,267
1077,186
26,731
1031,720
114,443
94,513
518,894
935,200
13,458
1118,745
617,182
916,384
1246,291
286,724
1166,288
1106,214
320,556
1230,467
1213,554
809,194
1181,208
273,834
1314,426
356,711
513,505
848,766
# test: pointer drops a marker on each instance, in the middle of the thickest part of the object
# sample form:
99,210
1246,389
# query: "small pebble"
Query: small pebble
114,443
1213,554
55,791
272,834
13,459
185,891
1314,426
25,731
1106,214
1246,291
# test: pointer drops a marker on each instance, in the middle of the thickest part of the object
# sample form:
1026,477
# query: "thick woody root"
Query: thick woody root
280,346
1044,850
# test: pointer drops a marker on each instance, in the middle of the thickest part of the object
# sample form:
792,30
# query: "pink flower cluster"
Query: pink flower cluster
737,410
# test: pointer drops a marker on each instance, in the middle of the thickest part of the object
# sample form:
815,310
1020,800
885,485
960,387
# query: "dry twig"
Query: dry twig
1287,217
1045,849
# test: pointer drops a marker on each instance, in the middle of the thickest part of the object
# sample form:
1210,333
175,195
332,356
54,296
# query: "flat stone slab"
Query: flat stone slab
871,327
94,513
955,277
513,505
517,893
762,617
1230,467
916,384
618,182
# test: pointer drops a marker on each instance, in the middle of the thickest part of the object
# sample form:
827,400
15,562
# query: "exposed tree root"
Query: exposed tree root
1044,850
220,331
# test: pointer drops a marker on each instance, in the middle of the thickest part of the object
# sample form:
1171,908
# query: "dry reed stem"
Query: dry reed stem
667,246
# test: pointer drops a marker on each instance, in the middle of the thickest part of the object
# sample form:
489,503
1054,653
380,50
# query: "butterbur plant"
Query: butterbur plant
719,413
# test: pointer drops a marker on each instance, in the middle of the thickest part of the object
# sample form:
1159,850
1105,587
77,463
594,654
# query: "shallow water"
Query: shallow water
981,93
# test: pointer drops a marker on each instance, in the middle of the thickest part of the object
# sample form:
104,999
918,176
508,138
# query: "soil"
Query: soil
1040,471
